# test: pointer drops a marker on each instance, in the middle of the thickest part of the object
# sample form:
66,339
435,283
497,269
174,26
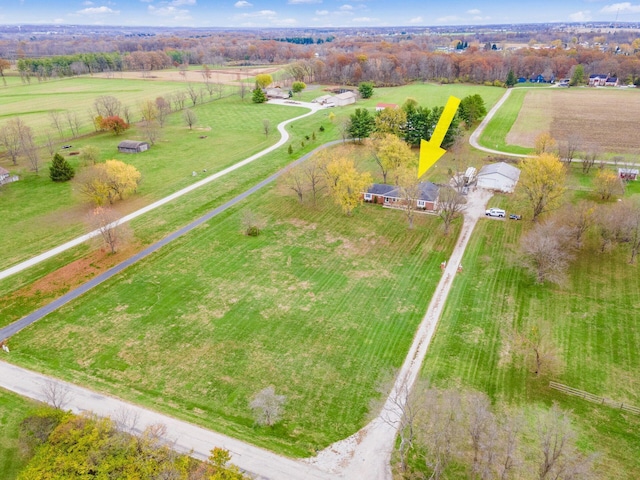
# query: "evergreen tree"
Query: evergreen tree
577,77
258,96
361,124
511,79
60,170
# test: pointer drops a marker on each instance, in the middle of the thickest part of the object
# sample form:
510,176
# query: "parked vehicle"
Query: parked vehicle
515,216
495,212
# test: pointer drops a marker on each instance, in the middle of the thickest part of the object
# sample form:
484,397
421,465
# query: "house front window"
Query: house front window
387,199
368,197
421,203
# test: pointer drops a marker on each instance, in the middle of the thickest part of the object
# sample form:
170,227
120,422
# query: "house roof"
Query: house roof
428,191
501,168
4,171
386,105
381,189
131,144
346,95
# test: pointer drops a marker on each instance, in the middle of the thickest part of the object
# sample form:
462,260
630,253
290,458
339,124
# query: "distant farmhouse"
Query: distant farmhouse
340,100
599,80
500,177
628,174
6,177
382,106
132,146
390,196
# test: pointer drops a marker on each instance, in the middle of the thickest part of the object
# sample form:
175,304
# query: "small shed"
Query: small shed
500,177
628,174
132,146
6,177
276,92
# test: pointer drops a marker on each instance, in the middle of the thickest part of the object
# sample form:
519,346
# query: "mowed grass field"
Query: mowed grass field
13,409
321,306
593,322
45,214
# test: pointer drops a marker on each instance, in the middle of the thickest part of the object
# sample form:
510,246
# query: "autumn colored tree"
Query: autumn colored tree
108,182
391,154
4,65
390,120
148,110
297,87
346,184
607,184
542,183
114,124
263,80
60,170
544,143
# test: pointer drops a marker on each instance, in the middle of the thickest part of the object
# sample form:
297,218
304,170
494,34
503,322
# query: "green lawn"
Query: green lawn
495,133
322,306
13,409
45,214
594,324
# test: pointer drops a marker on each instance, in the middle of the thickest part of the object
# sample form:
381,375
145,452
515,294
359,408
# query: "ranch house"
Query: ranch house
390,196
132,146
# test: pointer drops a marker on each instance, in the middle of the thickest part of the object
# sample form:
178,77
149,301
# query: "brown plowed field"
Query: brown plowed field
602,118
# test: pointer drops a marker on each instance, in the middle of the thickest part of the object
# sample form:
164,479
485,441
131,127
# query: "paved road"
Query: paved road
187,437
284,137
18,325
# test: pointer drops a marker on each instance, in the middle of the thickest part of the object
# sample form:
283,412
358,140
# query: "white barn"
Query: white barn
501,177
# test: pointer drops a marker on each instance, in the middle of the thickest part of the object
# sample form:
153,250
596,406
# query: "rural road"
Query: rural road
284,137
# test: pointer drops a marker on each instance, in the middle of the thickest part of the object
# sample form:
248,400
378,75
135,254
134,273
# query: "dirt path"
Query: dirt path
367,453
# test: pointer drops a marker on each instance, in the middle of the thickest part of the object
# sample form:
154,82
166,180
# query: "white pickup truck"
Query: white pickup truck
495,212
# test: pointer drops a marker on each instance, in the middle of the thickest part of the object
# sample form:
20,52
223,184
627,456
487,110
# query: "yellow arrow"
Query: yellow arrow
431,151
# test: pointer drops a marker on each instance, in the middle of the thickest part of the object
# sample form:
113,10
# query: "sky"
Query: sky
312,13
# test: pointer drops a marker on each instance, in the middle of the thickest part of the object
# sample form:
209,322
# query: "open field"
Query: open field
45,214
593,321
13,409
495,133
593,114
321,306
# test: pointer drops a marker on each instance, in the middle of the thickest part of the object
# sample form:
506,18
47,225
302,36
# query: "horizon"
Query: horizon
259,14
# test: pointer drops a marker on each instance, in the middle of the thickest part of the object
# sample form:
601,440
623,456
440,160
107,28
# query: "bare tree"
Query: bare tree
74,123
56,394
193,94
163,110
89,155
578,219
151,131
481,428
410,190
127,113
450,205
544,251
589,160
315,177
628,211
252,223
107,106
243,88
10,138
56,121
50,143
126,420
568,148
558,457
112,231
179,98
294,179
266,127
190,118
267,406
29,148
536,344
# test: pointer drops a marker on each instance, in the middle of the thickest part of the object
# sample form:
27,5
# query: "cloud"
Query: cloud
624,7
346,8
474,11
180,3
260,14
170,11
87,3
56,20
322,12
98,11
146,1
305,2
365,20
582,16
416,20
242,4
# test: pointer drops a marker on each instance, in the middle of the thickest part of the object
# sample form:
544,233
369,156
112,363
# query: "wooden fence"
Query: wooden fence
594,398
